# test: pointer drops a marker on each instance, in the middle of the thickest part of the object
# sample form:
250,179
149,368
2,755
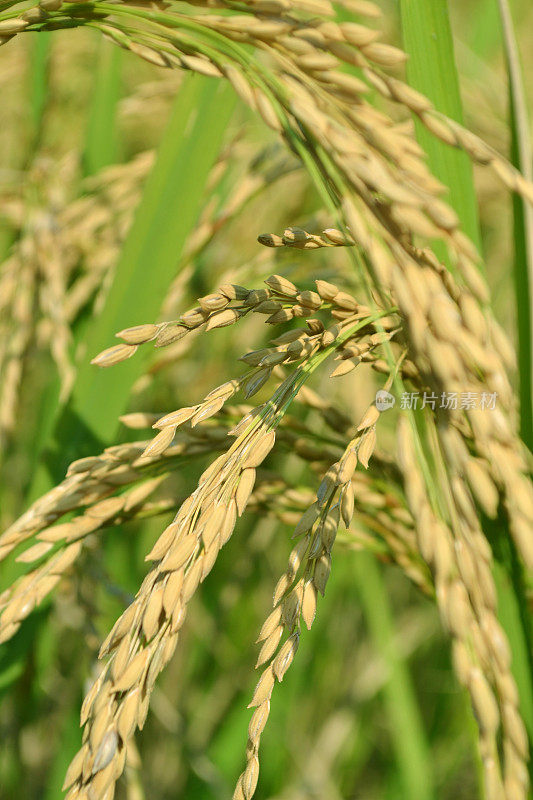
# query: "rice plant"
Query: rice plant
345,430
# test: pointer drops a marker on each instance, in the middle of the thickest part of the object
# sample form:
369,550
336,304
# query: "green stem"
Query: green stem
407,729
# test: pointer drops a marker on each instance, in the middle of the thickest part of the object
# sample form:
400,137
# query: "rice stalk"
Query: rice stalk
296,593
143,640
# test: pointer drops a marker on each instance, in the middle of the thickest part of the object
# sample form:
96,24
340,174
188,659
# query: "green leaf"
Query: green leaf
101,145
69,742
14,653
407,731
431,69
521,157
165,217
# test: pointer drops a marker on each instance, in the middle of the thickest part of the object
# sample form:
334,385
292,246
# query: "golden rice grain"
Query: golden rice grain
169,334
221,319
258,721
172,593
180,554
114,355
270,645
12,26
260,451
138,334
160,443
264,687
244,489
132,673
282,285
284,659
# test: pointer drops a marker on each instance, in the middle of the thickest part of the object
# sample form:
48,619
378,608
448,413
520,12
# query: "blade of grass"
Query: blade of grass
166,215
521,156
407,730
427,38
101,143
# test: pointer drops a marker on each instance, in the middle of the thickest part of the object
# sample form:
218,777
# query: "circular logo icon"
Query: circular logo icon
384,400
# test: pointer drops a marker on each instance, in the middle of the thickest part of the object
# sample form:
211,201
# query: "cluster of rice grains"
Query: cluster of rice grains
461,559
295,595
479,458
92,495
60,264
458,555
144,638
388,200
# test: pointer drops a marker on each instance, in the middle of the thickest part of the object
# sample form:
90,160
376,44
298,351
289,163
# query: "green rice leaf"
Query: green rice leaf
166,215
431,69
522,158
101,145
407,730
